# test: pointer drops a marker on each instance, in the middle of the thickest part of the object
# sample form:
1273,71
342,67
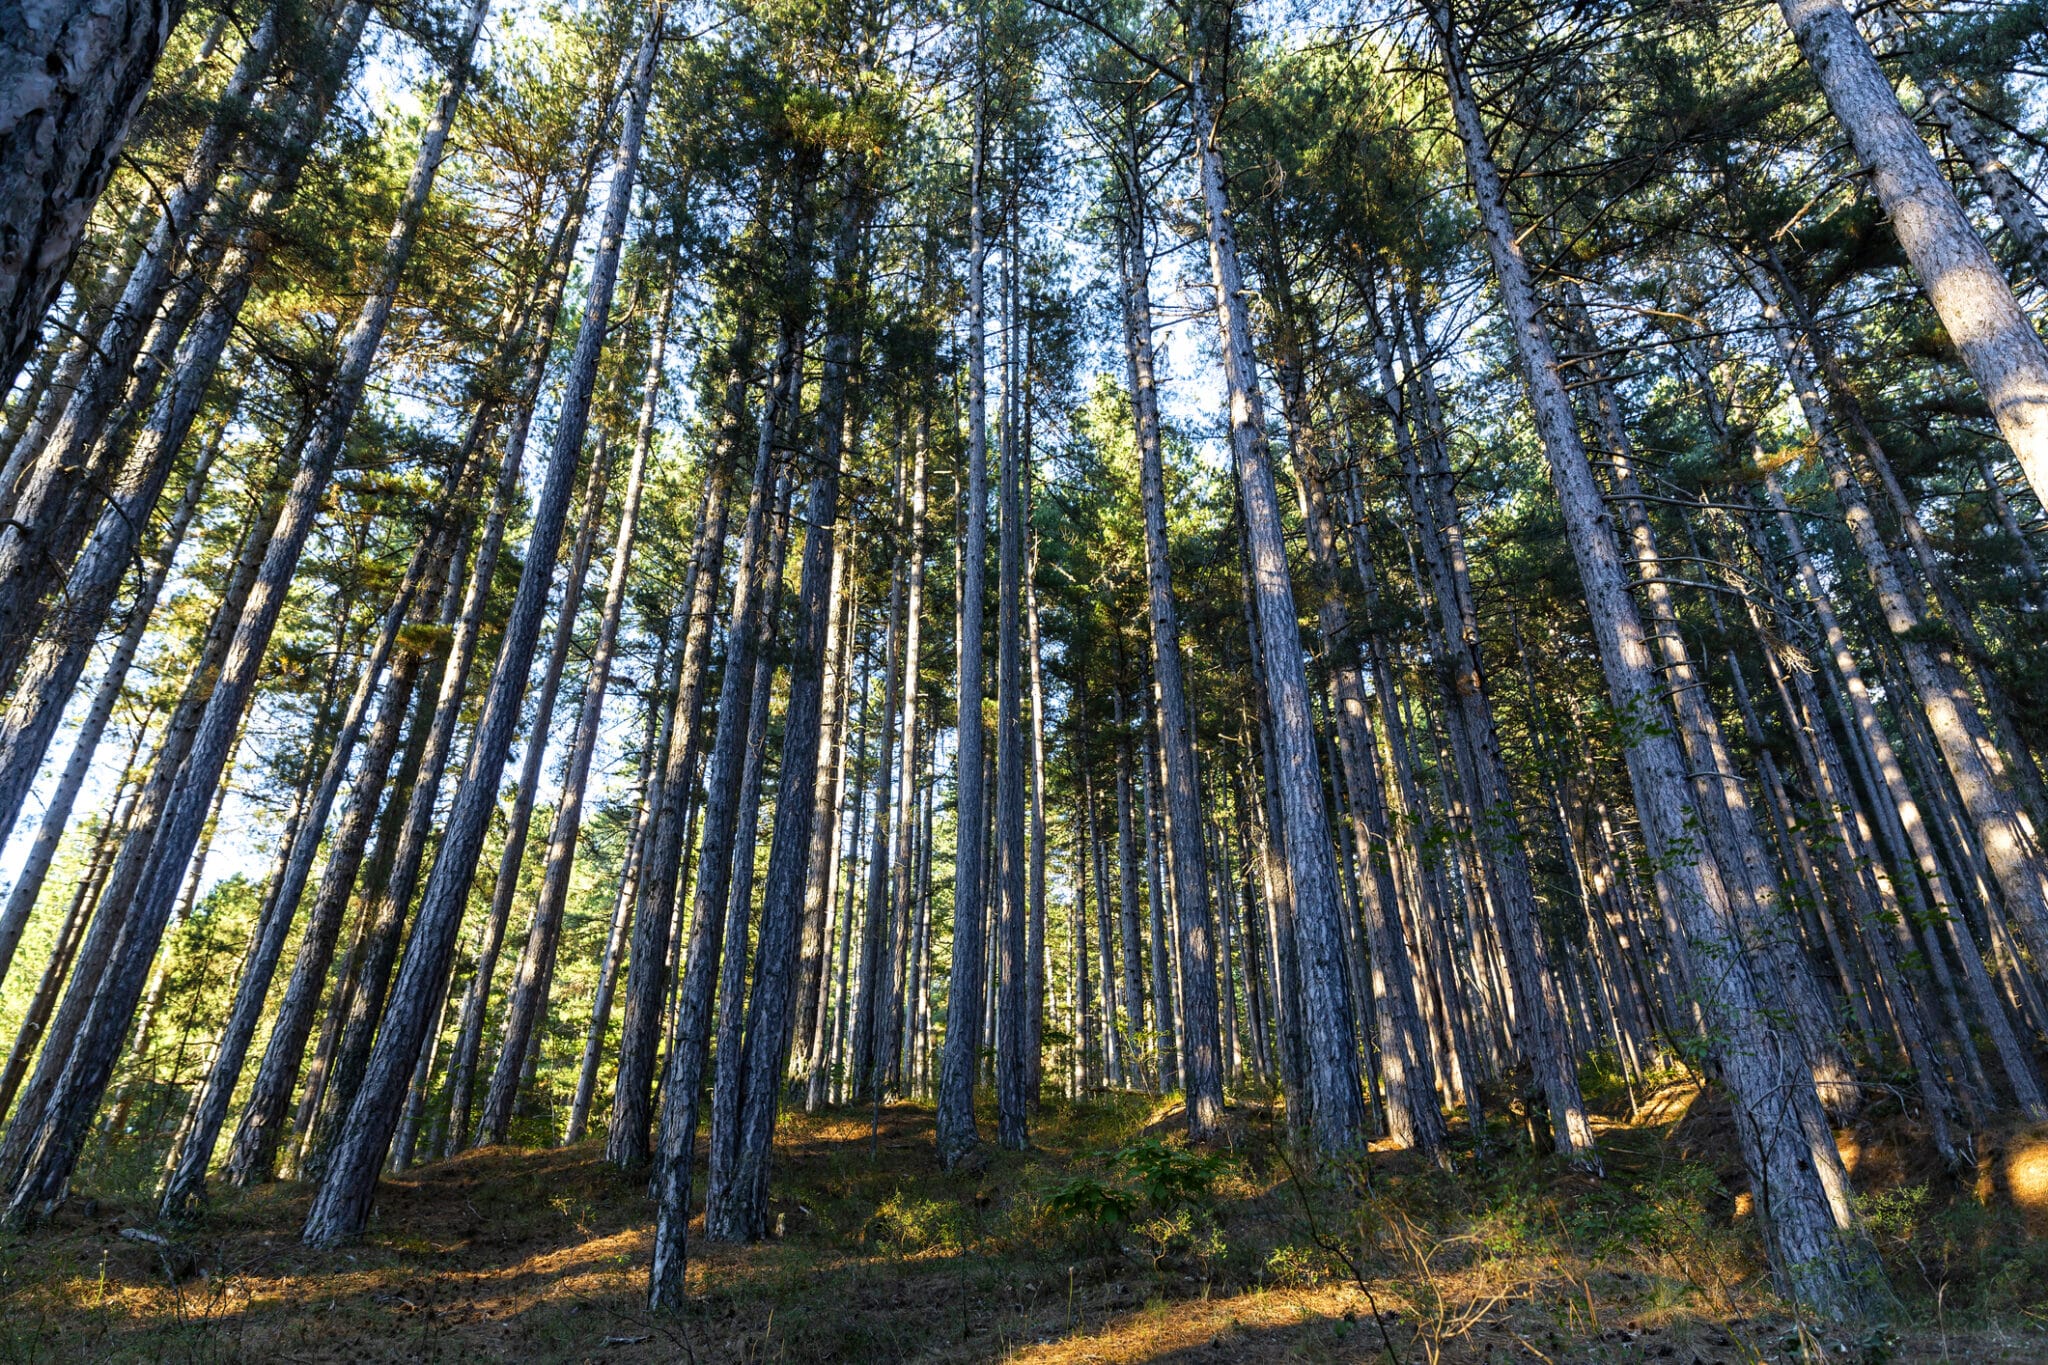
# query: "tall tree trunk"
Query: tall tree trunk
527,1001
646,969
342,1206
1013,1098
1034,946
1164,1011
1820,1257
1127,889
1409,1079
726,1032
871,1013
1968,290
902,913
1318,917
1196,1044
814,987
955,1133
648,978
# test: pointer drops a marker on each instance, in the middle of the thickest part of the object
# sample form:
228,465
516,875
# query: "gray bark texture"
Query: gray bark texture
1339,1106
72,75
1818,1253
1969,292
342,1206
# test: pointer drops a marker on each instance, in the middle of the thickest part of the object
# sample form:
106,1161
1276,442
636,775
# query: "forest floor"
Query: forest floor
1104,1243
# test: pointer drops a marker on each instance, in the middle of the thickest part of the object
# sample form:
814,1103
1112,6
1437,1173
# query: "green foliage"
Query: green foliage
1091,1201
911,1224
1168,1175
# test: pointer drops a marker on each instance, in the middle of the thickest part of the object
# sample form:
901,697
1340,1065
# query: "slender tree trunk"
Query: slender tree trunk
342,1206
1969,292
821,902
956,1135
1127,889
1820,1257
1034,947
1164,1013
1013,1096
1326,1003
871,1014
1196,1044
902,913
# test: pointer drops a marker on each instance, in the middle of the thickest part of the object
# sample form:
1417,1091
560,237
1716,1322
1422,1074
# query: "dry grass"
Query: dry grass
541,1256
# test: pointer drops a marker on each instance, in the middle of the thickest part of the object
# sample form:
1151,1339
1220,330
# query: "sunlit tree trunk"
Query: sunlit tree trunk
1968,290
1818,1253
1339,1110
342,1206
955,1135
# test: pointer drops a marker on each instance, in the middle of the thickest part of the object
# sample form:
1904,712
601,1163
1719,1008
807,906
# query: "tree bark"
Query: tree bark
1969,292
1013,1098
342,1206
74,73
956,1135
1339,1110
814,987
1818,1254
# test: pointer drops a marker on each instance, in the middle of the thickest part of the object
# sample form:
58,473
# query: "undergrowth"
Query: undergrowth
1111,1239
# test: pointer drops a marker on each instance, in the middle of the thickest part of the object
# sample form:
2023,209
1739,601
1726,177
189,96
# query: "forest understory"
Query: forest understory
1042,679
1094,1246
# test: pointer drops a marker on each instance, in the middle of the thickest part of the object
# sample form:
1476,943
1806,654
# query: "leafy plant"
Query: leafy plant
1168,1175
1084,1199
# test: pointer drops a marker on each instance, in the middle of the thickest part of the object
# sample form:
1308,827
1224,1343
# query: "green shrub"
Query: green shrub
913,1225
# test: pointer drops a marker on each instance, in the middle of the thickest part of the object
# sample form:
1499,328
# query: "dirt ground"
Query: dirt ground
541,1255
